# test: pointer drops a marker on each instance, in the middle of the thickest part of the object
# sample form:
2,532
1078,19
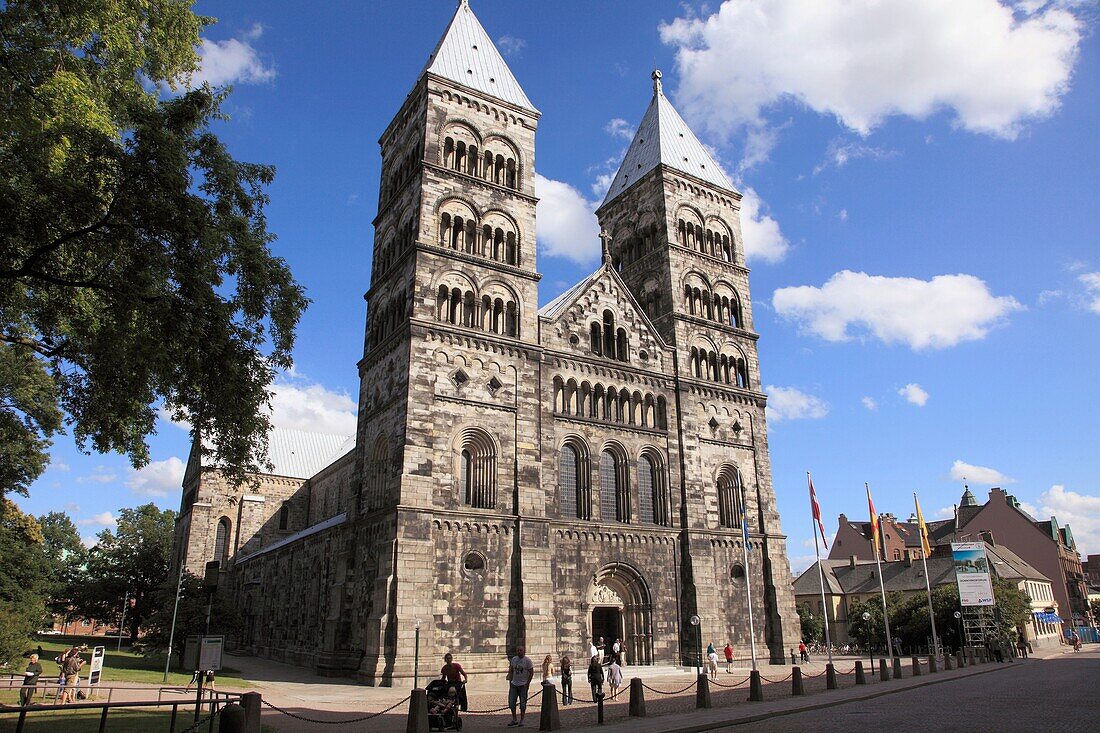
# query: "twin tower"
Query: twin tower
539,477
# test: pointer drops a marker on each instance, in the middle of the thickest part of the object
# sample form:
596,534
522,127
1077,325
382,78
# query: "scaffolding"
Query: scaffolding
979,623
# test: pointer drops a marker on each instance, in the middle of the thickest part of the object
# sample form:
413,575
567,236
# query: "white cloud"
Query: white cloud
800,563
511,46
103,519
100,475
862,62
763,239
567,222
842,215
984,475
619,127
914,394
1080,511
947,512
841,152
312,407
158,478
790,403
869,403
1091,281
922,314
233,61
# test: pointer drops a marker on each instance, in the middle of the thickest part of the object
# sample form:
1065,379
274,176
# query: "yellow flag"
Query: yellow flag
924,543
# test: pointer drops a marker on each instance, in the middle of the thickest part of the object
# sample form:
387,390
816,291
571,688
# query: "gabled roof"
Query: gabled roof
302,454
557,306
466,55
664,138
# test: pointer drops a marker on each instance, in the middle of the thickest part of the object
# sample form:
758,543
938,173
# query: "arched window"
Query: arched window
609,334
648,481
221,541
284,516
614,498
597,338
574,494
622,351
897,554
729,497
477,469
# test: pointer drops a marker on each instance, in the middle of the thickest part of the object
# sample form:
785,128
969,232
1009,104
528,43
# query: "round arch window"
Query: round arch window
473,563
737,573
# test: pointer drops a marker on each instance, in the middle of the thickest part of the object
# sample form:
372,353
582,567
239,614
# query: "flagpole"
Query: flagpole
748,575
820,576
881,585
924,546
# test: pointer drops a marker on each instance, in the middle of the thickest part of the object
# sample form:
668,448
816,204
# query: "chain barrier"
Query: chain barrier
775,682
735,684
530,697
812,676
333,722
198,724
678,692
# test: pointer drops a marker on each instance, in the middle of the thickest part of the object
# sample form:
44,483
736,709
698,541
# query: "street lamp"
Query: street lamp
870,645
694,620
958,617
416,658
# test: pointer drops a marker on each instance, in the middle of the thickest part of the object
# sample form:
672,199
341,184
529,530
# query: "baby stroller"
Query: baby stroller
443,697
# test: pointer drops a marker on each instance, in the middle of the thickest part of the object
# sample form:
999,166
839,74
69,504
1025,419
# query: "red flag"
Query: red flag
816,508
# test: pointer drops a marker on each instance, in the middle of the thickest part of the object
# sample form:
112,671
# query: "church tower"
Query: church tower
448,398
674,221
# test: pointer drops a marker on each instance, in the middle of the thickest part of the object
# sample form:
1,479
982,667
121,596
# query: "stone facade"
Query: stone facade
523,476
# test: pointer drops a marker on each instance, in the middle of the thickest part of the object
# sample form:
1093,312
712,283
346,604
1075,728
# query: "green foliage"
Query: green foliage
225,618
132,561
22,581
871,631
65,556
134,253
813,625
1013,605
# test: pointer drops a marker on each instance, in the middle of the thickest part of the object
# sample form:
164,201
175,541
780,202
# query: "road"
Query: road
1057,694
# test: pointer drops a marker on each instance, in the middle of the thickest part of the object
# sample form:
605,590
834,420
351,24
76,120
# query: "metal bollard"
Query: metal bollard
883,673
702,692
418,712
830,677
861,677
932,669
637,698
756,689
916,667
797,688
548,713
897,668
599,708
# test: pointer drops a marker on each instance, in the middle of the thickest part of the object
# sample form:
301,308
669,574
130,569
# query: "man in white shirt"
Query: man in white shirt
520,671
592,650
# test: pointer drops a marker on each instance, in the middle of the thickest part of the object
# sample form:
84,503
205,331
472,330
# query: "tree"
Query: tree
225,618
65,556
21,579
134,253
131,562
871,631
813,627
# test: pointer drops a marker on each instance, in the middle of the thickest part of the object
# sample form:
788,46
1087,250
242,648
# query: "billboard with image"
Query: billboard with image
972,573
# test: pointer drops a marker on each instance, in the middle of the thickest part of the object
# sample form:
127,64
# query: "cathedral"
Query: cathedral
520,475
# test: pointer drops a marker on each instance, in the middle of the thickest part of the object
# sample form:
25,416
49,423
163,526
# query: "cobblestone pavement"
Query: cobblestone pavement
1051,695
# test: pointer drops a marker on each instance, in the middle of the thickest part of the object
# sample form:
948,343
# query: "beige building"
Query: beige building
522,475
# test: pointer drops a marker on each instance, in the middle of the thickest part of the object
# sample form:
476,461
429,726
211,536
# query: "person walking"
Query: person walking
803,651
453,672
614,676
593,650
30,680
712,662
1021,645
729,658
617,652
520,672
71,668
601,647
595,678
566,681
1075,641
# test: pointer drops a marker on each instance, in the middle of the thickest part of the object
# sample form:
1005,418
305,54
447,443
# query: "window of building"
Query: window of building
614,500
652,496
284,516
729,497
574,494
477,469
221,541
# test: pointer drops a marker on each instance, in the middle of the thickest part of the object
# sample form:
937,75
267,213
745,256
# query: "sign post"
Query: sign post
95,670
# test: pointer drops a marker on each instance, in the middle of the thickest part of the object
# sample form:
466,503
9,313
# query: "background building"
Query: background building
521,476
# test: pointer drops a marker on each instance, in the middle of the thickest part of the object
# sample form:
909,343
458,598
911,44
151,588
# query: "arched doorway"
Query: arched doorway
620,607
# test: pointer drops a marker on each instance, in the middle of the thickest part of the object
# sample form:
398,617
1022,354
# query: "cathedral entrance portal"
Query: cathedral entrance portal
621,608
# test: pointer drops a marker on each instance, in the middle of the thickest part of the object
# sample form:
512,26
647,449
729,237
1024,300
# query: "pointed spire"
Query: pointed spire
663,138
466,55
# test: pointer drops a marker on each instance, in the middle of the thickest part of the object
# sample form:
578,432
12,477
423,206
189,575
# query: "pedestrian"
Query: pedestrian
729,658
1021,645
30,680
712,662
453,672
803,651
566,681
593,650
601,647
617,652
614,677
71,668
595,678
548,670
1075,640
897,646
520,672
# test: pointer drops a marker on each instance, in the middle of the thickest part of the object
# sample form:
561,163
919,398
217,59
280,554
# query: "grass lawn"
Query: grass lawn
126,666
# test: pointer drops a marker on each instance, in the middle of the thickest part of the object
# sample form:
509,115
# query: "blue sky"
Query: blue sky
920,182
